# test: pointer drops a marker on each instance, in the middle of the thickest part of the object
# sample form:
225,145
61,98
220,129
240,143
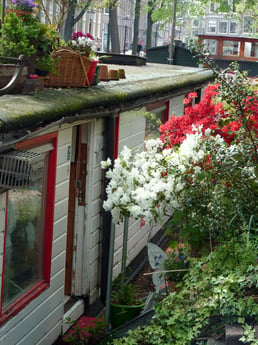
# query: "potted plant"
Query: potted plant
125,302
75,67
30,38
21,7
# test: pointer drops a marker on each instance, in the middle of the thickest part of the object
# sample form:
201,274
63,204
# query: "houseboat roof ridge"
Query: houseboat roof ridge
153,81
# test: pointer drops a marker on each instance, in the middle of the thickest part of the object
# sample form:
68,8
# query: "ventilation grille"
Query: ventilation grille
20,168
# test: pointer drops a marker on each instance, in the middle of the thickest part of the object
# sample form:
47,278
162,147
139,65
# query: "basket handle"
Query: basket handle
80,55
84,70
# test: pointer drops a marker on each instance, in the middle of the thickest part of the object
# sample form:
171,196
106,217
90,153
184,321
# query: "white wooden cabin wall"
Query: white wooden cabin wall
2,228
40,321
132,134
176,106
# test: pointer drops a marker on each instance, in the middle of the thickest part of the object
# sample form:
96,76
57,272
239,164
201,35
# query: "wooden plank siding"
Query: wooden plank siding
88,121
132,134
40,321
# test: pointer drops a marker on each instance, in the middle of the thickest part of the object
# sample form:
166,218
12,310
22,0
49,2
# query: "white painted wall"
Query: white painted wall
39,323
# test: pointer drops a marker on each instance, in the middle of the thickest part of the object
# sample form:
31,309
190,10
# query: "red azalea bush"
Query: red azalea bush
209,113
222,200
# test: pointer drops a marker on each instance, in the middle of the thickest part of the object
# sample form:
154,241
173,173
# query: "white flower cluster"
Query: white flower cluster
147,184
83,42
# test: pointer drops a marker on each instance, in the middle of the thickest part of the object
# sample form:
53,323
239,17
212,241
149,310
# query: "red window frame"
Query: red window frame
117,119
38,288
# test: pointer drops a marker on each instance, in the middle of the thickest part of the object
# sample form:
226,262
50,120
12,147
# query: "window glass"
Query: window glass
251,49
212,7
211,46
212,26
231,48
154,118
223,27
196,22
247,24
25,230
233,27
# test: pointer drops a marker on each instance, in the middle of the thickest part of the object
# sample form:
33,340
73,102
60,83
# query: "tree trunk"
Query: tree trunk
113,29
149,30
136,26
71,20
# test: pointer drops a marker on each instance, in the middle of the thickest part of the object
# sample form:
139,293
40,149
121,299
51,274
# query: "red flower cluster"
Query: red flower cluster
207,114
81,34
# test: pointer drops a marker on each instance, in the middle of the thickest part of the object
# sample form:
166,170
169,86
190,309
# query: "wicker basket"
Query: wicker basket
71,70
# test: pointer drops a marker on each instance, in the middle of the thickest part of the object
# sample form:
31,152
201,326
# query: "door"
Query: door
77,194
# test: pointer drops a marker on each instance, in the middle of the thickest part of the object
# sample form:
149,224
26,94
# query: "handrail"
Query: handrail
18,71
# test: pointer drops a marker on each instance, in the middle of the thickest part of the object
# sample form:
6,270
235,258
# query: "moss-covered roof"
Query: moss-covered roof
143,84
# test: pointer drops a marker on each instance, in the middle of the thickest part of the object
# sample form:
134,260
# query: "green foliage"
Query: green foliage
177,261
123,293
217,291
26,35
14,38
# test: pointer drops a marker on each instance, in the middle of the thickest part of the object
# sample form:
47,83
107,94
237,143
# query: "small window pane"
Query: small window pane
251,49
223,27
212,26
212,7
153,120
196,22
233,27
211,46
25,230
231,48
247,25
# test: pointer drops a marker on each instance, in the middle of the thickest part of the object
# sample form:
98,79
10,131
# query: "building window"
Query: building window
212,7
251,49
248,25
231,48
211,46
233,27
223,27
196,23
28,231
212,26
156,115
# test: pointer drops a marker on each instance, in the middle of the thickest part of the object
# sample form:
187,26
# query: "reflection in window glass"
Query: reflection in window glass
231,48
247,24
153,120
196,22
223,27
24,238
212,26
211,46
233,27
251,49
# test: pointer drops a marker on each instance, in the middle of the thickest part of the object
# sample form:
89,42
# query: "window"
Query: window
223,27
231,48
212,7
156,115
212,26
28,230
212,46
196,23
233,27
251,49
247,25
